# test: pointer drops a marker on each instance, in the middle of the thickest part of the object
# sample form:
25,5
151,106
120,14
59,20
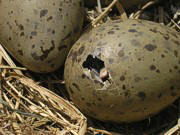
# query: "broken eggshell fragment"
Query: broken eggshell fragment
39,33
124,71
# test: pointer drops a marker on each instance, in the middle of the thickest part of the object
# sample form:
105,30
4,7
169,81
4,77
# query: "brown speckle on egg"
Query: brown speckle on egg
43,12
142,95
150,47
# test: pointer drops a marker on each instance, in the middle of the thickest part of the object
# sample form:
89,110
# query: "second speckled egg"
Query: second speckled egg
39,33
124,71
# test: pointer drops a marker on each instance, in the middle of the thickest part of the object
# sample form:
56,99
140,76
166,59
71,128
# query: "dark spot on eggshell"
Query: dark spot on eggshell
22,34
121,53
154,30
127,94
10,27
122,78
123,87
152,67
120,44
176,67
110,32
21,27
166,36
162,55
43,12
170,70
158,71
76,86
83,76
67,36
60,9
79,60
134,24
141,95
74,56
175,53
81,50
20,52
132,30
45,52
62,44
49,18
150,47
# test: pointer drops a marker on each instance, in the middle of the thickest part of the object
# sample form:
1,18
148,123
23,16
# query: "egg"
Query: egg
124,71
40,33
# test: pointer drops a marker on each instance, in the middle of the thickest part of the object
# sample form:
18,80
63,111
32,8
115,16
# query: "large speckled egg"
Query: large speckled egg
124,71
40,33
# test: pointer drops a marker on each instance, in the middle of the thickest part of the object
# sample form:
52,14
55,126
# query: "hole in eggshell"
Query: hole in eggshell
97,68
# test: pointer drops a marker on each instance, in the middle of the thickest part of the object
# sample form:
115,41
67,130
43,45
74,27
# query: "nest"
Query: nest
33,103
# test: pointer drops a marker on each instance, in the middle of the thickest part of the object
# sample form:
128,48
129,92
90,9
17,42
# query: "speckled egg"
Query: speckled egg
40,33
124,71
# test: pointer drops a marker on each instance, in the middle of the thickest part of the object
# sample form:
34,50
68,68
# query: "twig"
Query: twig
172,21
18,111
121,10
104,13
10,67
99,131
99,6
8,59
172,130
138,13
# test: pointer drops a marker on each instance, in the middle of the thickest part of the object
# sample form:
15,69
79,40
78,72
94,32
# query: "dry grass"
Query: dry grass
28,108
32,103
